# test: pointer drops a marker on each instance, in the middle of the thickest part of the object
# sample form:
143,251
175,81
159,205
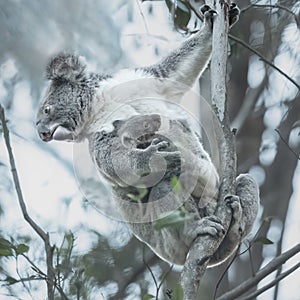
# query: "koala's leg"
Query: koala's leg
248,192
244,211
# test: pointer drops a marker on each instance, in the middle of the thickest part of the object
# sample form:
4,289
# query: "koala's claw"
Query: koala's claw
208,14
157,144
204,8
234,13
233,202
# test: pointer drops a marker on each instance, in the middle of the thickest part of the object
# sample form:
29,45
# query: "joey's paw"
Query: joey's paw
208,14
157,144
233,202
234,13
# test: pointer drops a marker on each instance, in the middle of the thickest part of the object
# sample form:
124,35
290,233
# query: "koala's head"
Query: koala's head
64,109
138,130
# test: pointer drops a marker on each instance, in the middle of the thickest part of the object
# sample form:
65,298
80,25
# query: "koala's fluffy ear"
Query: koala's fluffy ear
66,67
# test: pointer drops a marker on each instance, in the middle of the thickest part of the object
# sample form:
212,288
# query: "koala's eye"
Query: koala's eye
146,125
47,110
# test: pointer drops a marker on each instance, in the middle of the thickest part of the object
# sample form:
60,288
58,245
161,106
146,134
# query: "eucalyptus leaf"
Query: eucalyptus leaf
263,240
21,249
174,219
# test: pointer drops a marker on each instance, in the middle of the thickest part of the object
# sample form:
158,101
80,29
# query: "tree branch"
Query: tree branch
272,283
287,144
265,60
205,246
276,6
43,235
261,274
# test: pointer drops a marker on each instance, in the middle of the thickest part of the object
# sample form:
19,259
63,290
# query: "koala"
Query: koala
194,170
131,146
86,100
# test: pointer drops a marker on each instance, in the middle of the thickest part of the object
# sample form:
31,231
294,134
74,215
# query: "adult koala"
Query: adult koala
78,102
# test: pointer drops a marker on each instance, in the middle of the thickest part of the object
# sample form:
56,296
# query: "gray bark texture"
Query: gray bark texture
205,246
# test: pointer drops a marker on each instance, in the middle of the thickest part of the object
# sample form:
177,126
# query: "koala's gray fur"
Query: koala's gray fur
79,105
171,243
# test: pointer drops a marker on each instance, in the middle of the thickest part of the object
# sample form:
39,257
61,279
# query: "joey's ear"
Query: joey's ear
117,124
67,67
157,119
155,116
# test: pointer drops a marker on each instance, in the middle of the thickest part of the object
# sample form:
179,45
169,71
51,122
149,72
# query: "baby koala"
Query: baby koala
159,135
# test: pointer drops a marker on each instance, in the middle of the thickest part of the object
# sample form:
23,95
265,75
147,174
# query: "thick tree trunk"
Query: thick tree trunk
205,246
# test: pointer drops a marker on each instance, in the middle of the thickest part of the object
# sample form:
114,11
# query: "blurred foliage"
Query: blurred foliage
180,12
34,30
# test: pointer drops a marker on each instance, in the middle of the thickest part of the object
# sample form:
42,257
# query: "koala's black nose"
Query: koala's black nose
44,132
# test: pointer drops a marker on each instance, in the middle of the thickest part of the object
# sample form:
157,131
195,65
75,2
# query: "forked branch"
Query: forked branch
43,235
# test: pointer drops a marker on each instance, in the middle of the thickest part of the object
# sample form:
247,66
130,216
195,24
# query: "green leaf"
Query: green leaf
174,219
6,252
5,243
177,292
6,247
148,296
267,220
142,192
263,240
176,185
10,280
21,249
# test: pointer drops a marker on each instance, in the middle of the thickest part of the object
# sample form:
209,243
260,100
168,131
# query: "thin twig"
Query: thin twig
287,144
241,42
21,279
261,274
272,283
277,6
236,254
43,235
143,16
165,276
152,274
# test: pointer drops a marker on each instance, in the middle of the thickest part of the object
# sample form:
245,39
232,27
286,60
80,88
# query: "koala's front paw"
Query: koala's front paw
234,13
208,14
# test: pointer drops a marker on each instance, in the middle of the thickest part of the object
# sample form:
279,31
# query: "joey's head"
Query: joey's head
65,108
138,130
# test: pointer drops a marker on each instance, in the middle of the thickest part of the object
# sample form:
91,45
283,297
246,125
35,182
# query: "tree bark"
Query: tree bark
205,246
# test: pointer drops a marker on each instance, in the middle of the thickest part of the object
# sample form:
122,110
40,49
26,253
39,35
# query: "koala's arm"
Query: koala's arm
244,208
186,63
